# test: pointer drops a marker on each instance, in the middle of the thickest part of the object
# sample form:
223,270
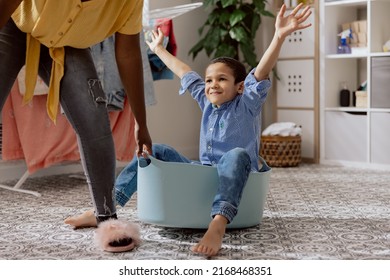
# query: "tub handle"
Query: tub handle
143,162
264,167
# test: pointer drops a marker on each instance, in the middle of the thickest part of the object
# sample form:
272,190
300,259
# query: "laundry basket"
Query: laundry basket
281,151
180,195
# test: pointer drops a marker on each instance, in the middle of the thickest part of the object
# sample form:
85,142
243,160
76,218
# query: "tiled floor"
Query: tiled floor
312,212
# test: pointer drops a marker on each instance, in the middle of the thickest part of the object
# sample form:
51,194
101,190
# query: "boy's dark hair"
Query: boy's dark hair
239,70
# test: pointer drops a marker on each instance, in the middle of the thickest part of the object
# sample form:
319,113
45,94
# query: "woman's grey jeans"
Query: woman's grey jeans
84,104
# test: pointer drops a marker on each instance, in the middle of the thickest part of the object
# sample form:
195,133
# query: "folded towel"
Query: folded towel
283,129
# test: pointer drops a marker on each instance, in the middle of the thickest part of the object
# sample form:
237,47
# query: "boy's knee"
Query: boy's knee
239,154
157,149
160,150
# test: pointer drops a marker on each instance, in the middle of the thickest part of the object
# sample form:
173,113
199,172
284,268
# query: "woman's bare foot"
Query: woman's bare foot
211,242
87,219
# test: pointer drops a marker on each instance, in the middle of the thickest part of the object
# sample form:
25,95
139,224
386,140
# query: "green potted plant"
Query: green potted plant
231,29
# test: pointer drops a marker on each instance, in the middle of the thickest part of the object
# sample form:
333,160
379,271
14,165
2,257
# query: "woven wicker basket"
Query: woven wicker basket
281,151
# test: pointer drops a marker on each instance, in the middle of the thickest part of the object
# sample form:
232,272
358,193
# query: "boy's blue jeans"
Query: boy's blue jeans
83,102
233,170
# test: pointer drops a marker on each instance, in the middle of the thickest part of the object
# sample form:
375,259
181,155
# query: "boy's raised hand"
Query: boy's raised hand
157,40
285,25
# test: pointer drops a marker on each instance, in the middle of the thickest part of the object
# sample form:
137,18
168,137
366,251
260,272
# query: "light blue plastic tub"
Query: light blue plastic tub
180,195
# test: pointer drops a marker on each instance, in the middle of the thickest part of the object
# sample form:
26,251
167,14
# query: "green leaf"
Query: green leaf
224,17
214,17
267,14
225,50
196,49
238,33
211,40
223,32
200,30
246,37
226,3
260,5
207,3
256,20
236,17
249,54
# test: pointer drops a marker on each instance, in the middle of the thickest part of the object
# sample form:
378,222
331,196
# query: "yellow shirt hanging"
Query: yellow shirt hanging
57,24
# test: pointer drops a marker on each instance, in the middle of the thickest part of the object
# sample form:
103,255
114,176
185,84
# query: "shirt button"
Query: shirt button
51,42
70,20
211,129
209,147
60,33
79,6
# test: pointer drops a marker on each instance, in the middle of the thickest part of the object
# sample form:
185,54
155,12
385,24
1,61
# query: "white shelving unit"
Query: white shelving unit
297,88
352,135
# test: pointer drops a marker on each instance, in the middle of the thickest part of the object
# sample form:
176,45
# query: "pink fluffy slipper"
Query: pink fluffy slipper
117,236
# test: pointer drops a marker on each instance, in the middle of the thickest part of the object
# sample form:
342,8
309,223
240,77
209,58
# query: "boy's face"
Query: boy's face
220,86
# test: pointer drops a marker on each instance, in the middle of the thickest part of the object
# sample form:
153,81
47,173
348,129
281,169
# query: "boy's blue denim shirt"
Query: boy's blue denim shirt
236,123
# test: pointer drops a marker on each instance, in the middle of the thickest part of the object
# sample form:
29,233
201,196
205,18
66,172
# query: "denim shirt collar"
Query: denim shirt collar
224,106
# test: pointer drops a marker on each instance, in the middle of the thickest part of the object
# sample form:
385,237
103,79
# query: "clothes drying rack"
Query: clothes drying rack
148,15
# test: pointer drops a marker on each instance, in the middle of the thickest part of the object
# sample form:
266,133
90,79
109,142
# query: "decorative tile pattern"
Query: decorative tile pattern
312,212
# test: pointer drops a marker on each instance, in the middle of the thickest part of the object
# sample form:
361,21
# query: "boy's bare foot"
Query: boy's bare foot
87,219
211,242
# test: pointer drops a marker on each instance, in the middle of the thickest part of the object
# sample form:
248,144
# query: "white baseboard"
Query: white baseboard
360,165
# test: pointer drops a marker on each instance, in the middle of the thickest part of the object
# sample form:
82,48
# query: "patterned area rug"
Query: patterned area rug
312,212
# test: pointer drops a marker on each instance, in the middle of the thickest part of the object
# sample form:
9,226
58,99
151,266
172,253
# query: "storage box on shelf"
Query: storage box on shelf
358,38
361,99
352,135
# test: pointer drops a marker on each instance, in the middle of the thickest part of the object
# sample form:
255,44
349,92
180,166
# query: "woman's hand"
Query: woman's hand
157,40
285,25
143,141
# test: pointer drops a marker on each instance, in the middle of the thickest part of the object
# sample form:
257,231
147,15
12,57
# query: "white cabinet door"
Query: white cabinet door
295,88
380,142
346,136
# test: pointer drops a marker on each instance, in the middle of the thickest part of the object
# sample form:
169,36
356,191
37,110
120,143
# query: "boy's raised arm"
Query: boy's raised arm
173,63
284,26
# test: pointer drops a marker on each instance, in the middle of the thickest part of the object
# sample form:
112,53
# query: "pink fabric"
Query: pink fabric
29,134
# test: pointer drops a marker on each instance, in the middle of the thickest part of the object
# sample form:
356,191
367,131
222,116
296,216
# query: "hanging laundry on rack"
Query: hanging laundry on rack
104,58
103,55
159,70
152,19
44,144
169,12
